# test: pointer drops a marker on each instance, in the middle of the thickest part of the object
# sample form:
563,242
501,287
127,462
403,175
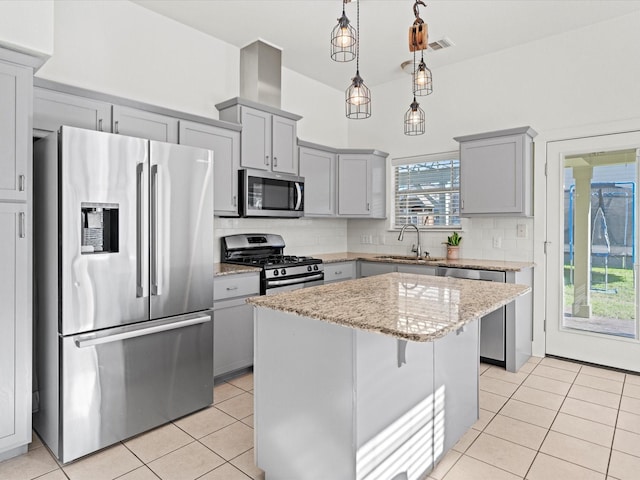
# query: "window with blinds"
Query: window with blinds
427,190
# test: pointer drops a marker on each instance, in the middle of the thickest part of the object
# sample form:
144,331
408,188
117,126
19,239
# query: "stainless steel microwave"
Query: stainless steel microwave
270,194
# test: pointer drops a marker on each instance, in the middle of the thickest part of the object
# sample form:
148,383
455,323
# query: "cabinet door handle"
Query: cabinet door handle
231,288
462,204
115,127
339,272
368,207
235,201
266,159
100,124
275,161
21,225
21,183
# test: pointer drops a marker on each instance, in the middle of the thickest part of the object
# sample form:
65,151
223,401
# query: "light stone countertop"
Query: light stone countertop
220,269
413,307
496,265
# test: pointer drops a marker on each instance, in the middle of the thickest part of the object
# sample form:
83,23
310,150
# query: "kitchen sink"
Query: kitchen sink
412,258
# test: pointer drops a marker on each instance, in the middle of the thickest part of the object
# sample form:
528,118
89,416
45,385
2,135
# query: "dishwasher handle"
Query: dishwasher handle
140,332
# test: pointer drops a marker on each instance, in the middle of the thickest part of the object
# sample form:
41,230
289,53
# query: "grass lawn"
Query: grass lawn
620,304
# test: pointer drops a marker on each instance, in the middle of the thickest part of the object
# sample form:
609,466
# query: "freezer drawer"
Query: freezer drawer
122,381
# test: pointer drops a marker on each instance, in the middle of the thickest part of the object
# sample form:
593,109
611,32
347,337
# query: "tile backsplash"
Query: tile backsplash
302,236
493,238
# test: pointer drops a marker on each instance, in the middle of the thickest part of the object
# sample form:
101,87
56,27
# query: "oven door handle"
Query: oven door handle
298,196
292,281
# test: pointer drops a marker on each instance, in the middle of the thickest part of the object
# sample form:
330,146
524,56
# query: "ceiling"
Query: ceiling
301,28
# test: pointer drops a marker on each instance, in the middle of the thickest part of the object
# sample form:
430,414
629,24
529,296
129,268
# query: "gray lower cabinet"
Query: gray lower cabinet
233,322
368,269
339,272
143,124
225,144
15,325
319,171
51,109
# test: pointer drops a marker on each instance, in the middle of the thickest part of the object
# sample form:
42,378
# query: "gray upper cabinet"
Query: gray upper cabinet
362,185
496,173
52,109
144,124
284,148
318,168
15,135
269,135
225,144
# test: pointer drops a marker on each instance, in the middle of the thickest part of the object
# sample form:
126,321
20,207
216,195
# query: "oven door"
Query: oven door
268,194
279,286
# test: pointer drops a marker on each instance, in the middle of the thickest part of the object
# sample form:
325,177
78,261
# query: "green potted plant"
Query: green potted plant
453,246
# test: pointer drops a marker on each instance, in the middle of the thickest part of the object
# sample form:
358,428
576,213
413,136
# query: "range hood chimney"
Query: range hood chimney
260,73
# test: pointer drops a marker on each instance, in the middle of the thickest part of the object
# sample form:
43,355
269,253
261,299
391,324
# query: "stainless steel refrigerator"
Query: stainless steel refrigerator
123,232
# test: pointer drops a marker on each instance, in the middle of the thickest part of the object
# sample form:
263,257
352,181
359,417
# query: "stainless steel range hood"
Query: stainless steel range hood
260,73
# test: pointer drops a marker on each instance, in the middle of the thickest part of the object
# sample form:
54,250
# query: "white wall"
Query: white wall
27,26
587,76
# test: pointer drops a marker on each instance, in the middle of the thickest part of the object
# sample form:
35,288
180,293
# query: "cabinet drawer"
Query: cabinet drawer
230,286
339,271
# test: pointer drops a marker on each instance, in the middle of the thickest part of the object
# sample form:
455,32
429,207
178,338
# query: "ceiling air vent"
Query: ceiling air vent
440,44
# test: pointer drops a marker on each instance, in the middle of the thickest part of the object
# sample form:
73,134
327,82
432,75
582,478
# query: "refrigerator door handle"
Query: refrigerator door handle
156,247
142,276
117,337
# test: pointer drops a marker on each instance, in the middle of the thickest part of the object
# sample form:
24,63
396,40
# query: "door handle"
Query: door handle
235,201
142,279
266,160
156,267
100,124
275,161
84,342
21,183
298,196
21,225
115,127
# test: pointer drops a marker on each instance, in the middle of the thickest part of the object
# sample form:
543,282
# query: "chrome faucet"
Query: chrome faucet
417,249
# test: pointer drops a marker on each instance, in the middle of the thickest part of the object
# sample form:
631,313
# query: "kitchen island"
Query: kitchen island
375,378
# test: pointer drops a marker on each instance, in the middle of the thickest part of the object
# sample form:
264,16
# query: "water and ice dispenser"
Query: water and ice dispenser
99,228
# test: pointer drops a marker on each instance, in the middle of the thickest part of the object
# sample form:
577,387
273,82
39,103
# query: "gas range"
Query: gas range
279,272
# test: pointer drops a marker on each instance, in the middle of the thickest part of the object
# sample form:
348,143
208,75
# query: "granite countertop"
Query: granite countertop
220,269
413,307
497,265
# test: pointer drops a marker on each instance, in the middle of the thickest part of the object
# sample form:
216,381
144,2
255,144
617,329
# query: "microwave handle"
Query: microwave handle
298,196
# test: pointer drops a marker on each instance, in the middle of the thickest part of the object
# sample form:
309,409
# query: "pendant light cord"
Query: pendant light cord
358,38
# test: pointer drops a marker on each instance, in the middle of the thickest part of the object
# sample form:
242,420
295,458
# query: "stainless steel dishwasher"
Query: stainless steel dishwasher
493,325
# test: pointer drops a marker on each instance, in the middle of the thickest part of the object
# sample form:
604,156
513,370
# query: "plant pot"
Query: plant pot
453,252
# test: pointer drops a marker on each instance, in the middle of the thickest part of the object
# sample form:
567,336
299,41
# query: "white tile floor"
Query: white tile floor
552,420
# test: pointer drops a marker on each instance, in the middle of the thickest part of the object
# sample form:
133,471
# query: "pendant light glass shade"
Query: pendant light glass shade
358,99
414,120
422,80
343,40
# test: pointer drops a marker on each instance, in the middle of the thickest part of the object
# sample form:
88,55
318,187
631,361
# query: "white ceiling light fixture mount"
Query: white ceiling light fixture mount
343,39
358,95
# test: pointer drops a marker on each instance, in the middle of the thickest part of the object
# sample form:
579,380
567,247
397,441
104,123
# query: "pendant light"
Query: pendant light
358,95
422,80
414,119
343,39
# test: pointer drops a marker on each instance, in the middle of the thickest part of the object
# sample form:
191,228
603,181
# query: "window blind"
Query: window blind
427,190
